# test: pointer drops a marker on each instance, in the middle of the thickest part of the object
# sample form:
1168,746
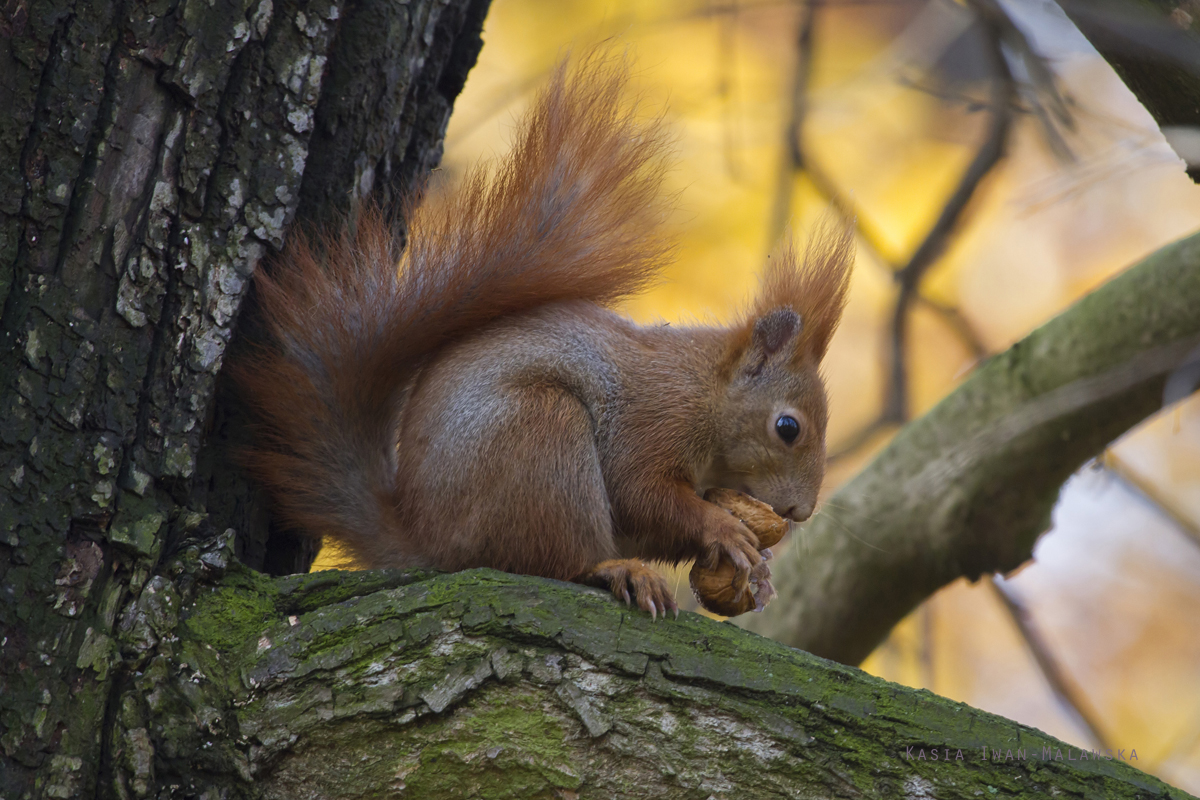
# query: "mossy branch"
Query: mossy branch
483,684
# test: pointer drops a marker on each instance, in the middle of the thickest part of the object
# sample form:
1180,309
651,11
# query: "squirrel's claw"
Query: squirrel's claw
761,572
760,576
632,581
764,594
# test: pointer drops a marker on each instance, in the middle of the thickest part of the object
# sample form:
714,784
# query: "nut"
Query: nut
756,515
713,588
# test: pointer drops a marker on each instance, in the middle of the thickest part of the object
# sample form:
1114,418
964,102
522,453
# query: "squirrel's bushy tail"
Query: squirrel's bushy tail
575,212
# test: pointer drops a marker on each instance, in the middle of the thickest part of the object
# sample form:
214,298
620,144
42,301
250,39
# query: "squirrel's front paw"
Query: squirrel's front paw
735,544
756,515
722,588
630,579
714,589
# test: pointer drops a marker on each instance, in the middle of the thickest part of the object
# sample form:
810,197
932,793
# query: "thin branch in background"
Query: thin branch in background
1184,741
925,616
795,161
727,32
972,103
856,440
1003,97
1122,471
991,151
958,322
1072,698
1046,101
828,188
792,161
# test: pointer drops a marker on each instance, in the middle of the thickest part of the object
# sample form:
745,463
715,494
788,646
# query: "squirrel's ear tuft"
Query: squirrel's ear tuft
775,329
814,287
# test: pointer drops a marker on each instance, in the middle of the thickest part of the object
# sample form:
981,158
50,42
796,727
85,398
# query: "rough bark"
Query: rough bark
482,684
968,488
152,154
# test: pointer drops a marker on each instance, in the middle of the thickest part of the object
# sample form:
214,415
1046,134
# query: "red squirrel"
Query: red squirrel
482,405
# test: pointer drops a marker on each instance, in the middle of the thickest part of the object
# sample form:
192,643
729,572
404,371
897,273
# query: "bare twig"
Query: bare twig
1003,96
1047,102
726,70
1072,698
856,440
958,323
1117,467
828,188
991,151
792,160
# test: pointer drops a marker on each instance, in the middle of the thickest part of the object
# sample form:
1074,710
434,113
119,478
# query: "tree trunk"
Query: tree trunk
154,153
1154,45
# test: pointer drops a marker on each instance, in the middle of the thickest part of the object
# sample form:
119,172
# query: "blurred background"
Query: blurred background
993,185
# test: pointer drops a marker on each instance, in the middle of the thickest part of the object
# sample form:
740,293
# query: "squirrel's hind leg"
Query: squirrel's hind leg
514,485
630,579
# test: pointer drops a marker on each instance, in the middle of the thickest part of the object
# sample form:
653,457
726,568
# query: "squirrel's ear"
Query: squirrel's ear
774,332
775,329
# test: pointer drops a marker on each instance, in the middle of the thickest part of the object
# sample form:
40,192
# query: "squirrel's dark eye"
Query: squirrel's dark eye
787,428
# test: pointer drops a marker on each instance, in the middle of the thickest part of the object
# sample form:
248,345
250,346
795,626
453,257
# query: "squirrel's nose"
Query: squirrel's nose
796,513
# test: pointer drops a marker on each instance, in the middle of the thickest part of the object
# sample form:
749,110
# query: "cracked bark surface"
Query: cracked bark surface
153,153
482,684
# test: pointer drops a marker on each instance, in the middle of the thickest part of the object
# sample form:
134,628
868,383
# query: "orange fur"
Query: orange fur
479,405
816,288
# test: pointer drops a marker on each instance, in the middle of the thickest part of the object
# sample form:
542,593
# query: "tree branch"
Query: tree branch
485,684
968,488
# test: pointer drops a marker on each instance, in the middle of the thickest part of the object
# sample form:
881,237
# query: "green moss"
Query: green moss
302,593
239,610
136,525
516,750
398,690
